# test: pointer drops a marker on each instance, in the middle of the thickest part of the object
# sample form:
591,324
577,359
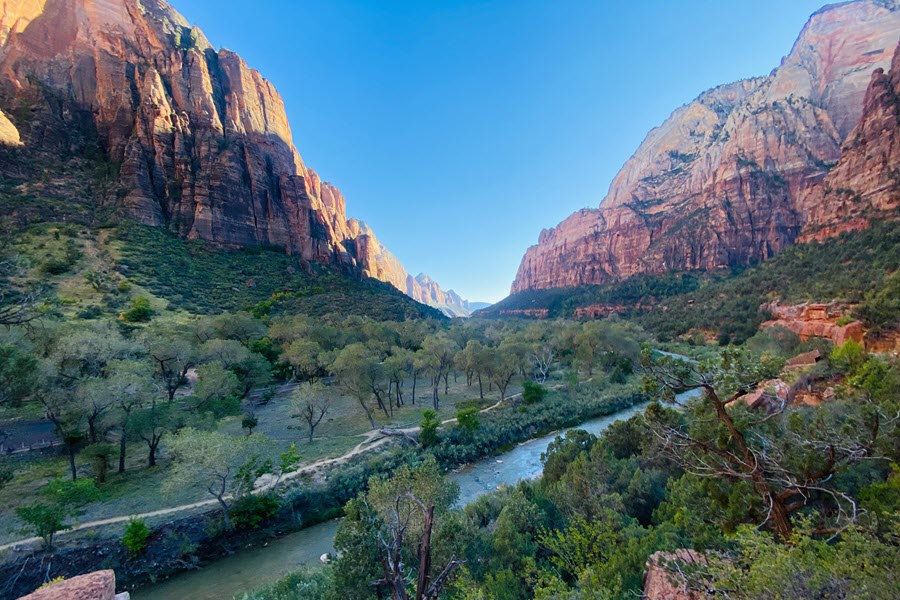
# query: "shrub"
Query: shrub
428,429
250,512
468,418
55,266
136,536
140,311
533,392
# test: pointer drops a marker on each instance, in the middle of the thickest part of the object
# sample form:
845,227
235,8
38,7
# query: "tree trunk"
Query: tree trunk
425,554
122,443
368,413
446,383
151,457
92,428
480,387
779,513
225,518
415,380
71,449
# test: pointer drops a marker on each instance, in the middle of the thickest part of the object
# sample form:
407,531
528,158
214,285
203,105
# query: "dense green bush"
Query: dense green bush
136,536
140,311
251,512
533,392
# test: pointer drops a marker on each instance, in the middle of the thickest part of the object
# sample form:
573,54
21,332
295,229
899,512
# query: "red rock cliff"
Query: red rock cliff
733,177
203,140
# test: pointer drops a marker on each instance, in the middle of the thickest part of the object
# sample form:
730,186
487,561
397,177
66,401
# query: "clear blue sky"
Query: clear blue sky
459,129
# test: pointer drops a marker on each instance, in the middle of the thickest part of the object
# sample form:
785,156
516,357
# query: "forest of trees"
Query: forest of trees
796,501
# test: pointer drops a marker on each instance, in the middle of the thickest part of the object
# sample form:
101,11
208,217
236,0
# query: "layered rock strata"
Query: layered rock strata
737,175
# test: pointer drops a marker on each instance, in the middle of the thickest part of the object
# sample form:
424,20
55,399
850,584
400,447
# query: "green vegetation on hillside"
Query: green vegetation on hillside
195,277
858,268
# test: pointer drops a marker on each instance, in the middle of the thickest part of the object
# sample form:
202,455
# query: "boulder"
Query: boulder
99,585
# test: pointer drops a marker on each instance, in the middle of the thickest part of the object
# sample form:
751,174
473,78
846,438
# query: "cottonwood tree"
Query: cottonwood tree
439,350
361,375
131,384
473,361
251,369
153,422
173,353
225,465
241,327
502,366
216,391
397,368
311,403
789,456
305,358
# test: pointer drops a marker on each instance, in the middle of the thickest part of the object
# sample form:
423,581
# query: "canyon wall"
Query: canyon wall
739,174
201,141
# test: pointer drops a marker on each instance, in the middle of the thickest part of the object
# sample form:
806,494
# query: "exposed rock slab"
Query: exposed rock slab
100,585
665,578
9,135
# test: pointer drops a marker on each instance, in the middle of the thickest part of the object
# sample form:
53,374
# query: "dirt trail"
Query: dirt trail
373,439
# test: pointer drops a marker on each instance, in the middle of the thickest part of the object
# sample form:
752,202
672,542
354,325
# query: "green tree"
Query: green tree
428,435
216,391
220,462
533,392
360,374
393,523
467,418
311,403
790,458
17,369
172,351
62,500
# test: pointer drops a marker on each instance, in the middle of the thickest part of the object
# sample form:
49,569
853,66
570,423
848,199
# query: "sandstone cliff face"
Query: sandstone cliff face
729,179
865,184
427,291
203,140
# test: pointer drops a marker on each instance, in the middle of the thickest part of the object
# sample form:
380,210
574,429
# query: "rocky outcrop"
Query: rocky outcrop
99,585
669,576
203,140
826,321
9,135
731,178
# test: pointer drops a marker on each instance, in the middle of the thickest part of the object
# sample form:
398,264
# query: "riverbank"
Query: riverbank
188,543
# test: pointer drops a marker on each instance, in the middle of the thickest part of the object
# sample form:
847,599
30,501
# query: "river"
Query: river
256,567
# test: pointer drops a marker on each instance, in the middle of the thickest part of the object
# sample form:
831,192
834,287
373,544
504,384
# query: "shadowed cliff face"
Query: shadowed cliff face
202,141
735,176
